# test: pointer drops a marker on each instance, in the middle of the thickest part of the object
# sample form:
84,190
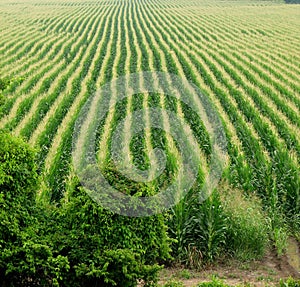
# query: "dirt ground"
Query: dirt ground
266,272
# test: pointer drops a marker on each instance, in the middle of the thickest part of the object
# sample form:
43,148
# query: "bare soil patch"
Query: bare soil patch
267,271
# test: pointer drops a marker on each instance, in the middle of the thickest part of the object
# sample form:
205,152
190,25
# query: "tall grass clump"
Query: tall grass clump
248,226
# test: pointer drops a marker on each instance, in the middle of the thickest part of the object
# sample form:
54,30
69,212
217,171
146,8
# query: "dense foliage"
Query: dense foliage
75,244
78,243
244,61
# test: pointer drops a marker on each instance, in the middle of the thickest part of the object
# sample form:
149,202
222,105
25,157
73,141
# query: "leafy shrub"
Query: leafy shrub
24,258
213,283
75,244
173,283
290,282
120,267
106,249
18,172
185,274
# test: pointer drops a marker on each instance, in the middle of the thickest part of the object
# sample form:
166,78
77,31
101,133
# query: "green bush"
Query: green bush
290,282
76,243
214,283
120,267
173,283
18,172
24,257
106,249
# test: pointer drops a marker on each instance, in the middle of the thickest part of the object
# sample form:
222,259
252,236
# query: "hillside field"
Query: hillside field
243,55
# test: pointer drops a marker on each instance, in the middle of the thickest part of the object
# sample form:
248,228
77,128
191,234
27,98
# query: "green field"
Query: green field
244,56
